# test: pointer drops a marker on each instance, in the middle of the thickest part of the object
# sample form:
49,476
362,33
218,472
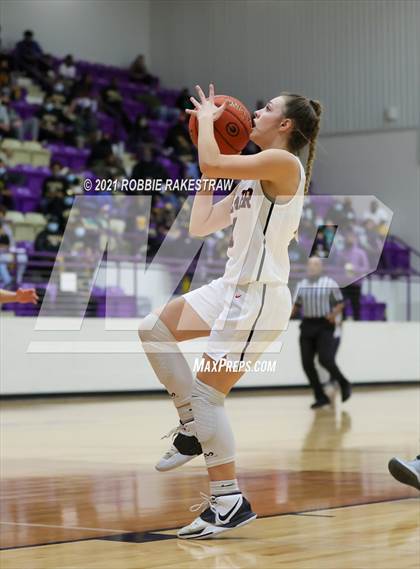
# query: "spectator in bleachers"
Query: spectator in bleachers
377,216
112,104
17,254
183,151
83,88
59,93
140,134
355,262
51,121
6,278
101,148
139,73
31,59
6,196
67,69
341,213
12,126
112,168
308,219
85,122
6,228
56,181
369,239
178,137
56,198
49,238
8,85
148,166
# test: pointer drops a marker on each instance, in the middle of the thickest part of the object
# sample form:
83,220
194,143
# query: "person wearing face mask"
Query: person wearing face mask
53,117
49,239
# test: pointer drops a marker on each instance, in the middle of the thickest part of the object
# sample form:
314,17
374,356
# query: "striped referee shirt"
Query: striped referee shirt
317,297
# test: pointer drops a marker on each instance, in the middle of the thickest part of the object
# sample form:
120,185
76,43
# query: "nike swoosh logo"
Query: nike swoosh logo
226,516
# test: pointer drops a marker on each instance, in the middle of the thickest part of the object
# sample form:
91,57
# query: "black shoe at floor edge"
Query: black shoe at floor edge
345,391
320,403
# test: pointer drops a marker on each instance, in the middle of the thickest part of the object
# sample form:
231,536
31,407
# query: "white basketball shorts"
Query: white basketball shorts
244,319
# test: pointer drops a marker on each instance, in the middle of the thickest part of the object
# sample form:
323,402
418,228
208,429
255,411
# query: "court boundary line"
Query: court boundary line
158,531
162,392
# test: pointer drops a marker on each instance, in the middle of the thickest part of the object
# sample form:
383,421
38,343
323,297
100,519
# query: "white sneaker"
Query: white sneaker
223,513
185,447
406,472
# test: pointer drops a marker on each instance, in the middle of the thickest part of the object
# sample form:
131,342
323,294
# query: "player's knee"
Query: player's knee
147,328
204,400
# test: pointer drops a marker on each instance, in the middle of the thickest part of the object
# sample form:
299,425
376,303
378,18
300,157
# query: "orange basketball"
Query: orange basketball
231,130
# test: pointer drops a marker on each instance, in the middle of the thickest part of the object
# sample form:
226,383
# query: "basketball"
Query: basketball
231,130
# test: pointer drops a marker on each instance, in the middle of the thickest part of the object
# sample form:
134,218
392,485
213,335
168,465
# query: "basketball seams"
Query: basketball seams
227,110
226,141
237,114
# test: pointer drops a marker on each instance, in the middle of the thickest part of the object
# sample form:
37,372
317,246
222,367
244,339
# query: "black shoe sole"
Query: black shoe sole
403,474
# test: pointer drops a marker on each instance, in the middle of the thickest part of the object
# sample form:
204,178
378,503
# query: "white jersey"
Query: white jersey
261,233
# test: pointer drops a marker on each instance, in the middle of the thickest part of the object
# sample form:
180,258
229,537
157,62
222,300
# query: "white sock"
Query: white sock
222,487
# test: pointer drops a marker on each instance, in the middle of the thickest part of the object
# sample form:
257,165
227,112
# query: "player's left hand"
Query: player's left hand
206,106
24,296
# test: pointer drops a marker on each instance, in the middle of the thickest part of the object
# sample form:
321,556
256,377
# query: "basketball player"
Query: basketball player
246,309
22,295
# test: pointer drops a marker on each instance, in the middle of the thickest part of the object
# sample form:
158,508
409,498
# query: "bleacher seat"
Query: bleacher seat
34,218
15,216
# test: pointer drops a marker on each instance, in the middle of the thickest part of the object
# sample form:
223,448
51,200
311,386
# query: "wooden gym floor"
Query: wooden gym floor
79,490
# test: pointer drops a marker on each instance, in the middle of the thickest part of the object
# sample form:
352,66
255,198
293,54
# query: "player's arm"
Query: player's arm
207,218
272,165
22,296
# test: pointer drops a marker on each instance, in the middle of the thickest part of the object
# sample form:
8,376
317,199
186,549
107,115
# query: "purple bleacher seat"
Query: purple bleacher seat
159,129
396,256
174,170
370,309
34,176
322,204
114,303
27,245
74,158
25,110
134,108
25,199
168,96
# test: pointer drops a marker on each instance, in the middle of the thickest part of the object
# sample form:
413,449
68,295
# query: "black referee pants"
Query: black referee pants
317,337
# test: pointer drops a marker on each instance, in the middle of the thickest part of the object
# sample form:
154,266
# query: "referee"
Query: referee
321,301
